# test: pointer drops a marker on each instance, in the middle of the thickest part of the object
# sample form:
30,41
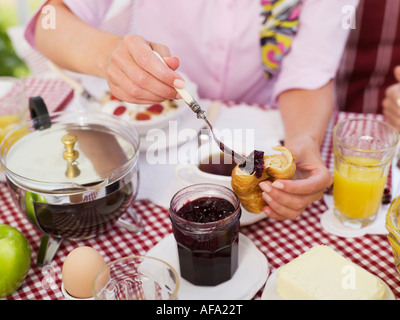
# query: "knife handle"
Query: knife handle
186,96
72,82
213,111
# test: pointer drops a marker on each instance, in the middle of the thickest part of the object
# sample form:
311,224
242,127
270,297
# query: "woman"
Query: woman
217,44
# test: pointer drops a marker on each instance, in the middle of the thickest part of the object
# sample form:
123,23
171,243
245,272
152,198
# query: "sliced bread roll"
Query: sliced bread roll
245,185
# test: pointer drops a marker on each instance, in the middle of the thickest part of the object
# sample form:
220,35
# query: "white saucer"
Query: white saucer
332,225
270,292
248,279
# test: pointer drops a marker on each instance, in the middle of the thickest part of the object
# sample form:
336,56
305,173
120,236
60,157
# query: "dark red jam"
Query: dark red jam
205,210
256,159
207,258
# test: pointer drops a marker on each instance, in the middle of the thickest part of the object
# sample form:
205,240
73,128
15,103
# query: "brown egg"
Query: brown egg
79,269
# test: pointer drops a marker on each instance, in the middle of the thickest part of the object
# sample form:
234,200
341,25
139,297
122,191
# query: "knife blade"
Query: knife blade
73,83
212,114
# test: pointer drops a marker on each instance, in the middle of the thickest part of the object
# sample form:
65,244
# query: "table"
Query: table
279,241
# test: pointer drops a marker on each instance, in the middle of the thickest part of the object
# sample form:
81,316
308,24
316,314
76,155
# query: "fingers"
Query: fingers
124,88
287,199
284,205
172,62
136,75
391,111
391,105
397,73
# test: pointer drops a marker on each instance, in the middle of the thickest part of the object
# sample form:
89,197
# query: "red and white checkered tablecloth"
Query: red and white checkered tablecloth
56,93
279,241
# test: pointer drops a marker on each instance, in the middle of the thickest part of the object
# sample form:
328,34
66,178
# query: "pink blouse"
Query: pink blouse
218,43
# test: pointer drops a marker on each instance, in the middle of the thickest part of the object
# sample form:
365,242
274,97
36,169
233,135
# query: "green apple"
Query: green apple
15,259
30,198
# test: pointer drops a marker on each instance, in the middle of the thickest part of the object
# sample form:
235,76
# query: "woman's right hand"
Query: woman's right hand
135,74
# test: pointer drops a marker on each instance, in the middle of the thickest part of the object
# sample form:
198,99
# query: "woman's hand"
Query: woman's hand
391,102
287,199
135,74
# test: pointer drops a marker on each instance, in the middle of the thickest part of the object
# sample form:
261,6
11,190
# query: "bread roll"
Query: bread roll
276,166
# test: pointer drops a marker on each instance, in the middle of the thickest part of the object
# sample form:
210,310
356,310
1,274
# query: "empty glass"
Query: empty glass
136,278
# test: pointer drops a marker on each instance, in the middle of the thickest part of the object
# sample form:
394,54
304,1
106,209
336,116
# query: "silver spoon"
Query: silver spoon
246,163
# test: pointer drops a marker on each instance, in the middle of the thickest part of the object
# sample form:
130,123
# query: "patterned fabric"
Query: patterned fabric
279,25
370,55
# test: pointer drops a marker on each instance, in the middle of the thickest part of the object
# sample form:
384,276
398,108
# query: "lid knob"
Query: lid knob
70,154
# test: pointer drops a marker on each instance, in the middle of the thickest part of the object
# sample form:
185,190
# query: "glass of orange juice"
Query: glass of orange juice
13,104
363,152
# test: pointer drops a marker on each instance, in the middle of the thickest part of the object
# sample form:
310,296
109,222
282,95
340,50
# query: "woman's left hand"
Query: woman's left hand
287,199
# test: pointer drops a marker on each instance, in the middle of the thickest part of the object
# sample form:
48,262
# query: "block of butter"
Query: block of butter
323,274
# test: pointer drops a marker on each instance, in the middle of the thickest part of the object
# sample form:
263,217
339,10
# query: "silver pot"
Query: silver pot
73,174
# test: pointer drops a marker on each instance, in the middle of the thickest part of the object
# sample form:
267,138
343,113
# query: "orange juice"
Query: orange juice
358,186
8,123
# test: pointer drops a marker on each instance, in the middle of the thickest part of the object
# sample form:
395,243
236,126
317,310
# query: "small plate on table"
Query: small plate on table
248,279
271,293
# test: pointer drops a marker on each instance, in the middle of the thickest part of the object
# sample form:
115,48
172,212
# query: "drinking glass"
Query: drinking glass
136,278
363,152
13,104
392,224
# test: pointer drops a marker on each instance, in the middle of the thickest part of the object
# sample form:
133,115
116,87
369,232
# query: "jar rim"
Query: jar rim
206,225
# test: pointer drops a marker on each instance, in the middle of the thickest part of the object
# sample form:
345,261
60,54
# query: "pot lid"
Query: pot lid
82,154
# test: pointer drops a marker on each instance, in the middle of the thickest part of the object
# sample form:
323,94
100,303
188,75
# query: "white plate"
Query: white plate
270,292
248,279
99,88
176,132
143,126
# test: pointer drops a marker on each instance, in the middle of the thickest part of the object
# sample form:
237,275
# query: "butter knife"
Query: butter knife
73,83
212,115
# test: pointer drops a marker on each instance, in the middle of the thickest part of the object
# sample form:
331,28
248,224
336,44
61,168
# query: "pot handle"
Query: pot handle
39,113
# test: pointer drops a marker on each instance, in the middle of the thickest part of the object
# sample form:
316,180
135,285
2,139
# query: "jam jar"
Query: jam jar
205,223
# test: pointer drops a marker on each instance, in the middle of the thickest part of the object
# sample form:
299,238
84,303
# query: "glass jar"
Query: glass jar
208,242
393,227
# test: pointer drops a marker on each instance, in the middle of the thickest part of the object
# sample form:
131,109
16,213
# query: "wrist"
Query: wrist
109,44
302,142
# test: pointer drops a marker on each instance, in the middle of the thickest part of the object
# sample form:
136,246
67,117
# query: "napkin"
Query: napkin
333,226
